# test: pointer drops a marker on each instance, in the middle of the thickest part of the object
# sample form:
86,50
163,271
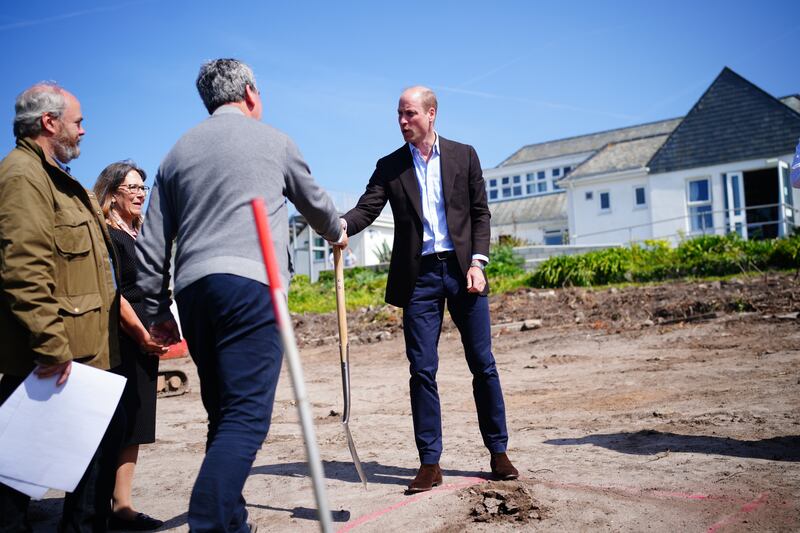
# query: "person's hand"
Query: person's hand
476,281
149,346
165,333
342,242
61,370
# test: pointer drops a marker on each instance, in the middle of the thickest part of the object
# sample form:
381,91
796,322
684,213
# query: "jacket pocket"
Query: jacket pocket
82,316
72,235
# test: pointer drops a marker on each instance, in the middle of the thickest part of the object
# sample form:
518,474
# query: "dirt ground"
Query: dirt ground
671,407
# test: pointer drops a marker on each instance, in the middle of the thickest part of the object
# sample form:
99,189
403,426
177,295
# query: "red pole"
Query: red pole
268,252
281,306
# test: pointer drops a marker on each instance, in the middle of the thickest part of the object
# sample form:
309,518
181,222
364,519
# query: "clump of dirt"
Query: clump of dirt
503,501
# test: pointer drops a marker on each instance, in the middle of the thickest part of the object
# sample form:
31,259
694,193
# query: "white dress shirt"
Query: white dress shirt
435,234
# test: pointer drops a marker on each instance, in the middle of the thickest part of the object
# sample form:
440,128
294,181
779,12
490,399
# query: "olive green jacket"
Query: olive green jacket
58,293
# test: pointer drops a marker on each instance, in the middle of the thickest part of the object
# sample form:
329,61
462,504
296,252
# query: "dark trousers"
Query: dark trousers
440,282
230,327
87,508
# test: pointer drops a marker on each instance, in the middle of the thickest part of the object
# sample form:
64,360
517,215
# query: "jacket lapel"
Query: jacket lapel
447,170
408,178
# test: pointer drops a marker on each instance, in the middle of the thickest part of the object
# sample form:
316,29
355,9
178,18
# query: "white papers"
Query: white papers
49,434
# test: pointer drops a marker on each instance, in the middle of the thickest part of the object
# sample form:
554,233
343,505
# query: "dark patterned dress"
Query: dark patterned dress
141,369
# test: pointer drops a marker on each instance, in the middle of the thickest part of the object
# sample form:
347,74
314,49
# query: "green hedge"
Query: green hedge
708,255
366,286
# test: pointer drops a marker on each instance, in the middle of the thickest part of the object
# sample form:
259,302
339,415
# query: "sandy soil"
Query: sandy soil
666,408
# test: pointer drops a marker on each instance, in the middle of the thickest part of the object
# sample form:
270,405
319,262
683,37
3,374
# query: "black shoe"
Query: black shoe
140,522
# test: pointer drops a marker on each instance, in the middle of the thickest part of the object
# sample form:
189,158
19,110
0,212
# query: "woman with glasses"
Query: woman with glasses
121,191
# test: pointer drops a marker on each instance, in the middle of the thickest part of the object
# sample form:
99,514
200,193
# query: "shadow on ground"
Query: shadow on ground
305,513
345,471
650,442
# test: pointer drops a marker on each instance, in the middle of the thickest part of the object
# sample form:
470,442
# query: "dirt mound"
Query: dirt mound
503,501
612,309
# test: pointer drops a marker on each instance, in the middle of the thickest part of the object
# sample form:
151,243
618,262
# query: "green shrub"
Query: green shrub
707,255
504,262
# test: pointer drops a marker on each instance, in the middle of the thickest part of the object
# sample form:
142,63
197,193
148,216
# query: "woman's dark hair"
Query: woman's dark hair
107,184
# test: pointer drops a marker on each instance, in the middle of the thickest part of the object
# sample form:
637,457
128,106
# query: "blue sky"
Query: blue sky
507,73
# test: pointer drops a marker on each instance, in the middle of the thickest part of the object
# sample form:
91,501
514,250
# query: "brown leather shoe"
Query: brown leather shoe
502,468
428,476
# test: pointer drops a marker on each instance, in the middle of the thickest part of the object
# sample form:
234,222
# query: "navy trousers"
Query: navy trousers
441,281
230,327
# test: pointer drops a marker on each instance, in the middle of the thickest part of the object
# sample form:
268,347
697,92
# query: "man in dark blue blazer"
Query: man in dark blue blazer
441,244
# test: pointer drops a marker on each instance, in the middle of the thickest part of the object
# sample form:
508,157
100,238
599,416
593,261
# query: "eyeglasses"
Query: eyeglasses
135,189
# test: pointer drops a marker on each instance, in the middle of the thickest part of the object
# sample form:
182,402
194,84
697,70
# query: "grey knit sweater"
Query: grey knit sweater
201,200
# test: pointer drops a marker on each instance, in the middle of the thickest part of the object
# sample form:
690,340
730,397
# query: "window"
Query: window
589,195
492,188
506,180
319,255
530,179
605,201
556,172
567,170
553,237
541,182
517,190
701,219
516,179
506,192
639,197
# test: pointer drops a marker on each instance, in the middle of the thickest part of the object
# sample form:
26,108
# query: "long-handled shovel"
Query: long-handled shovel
293,358
344,354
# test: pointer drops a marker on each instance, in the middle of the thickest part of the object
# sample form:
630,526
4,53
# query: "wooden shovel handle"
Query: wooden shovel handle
341,309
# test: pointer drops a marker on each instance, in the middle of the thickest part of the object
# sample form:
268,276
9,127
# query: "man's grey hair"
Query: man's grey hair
223,81
32,103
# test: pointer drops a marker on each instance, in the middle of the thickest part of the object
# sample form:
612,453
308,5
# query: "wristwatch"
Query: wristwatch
477,263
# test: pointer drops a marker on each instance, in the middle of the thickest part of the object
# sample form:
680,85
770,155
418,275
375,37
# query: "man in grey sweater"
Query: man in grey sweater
201,200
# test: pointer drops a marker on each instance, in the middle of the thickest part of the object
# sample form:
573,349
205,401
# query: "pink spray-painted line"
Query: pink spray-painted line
467,482
655,493
749,507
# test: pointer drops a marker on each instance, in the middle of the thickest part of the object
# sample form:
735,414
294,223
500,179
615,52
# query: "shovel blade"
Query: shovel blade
354,454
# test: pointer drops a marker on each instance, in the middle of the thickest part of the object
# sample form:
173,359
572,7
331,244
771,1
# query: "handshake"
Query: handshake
342,242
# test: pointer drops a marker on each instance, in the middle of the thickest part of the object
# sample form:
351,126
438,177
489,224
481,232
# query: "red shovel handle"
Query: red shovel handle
268,251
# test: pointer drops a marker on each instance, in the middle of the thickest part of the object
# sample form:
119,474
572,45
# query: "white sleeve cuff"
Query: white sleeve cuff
481,257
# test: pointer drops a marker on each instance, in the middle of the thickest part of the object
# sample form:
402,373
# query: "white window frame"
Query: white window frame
691,206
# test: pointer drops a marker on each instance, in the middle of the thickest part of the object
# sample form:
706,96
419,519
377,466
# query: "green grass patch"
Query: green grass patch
700,257
366,287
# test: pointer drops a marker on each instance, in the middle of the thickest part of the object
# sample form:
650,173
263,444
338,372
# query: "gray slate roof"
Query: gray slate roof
588,143
532,208
616,157
733,121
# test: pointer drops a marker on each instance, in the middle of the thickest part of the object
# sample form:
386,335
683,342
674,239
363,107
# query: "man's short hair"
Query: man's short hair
32,103
428,99
223,81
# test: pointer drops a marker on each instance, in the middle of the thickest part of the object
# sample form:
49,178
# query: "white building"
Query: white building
724,168
721,168
525,192
369,247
